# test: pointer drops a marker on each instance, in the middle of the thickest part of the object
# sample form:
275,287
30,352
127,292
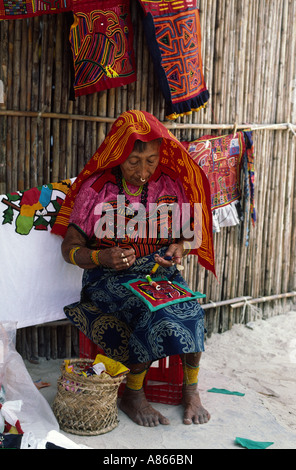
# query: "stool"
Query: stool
163,382
88,349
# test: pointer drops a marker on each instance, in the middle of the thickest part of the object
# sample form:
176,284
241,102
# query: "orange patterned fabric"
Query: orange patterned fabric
174,159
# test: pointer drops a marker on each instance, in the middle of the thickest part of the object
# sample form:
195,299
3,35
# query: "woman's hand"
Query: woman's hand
117,258
173,256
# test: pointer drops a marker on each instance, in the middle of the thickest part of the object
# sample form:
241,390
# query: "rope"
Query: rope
256,311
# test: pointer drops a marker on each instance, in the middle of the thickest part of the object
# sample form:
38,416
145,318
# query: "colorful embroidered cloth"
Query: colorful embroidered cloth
102,45
28,8
167,294
174,39
222,159
35,281
174,161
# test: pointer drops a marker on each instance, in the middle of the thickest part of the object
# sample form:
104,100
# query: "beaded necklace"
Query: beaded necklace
122,186
127,191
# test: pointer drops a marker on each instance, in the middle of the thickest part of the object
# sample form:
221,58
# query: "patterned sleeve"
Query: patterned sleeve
83,214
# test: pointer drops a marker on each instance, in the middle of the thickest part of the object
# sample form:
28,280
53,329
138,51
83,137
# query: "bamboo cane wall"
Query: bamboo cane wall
249,57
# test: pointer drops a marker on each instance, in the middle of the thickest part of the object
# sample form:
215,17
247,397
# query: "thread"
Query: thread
153,283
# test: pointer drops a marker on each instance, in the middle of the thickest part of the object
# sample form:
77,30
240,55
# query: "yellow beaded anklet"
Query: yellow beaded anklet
135,381
190,374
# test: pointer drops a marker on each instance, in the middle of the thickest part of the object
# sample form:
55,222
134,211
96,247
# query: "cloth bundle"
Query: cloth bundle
53,440
23,409
223,158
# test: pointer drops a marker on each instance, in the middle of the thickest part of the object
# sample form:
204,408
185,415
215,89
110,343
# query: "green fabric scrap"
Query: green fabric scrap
226,392
248,444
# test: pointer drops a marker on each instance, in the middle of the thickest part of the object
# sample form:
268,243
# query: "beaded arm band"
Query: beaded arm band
72,255
94,256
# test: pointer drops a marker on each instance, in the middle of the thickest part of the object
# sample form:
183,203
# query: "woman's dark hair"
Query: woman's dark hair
140,146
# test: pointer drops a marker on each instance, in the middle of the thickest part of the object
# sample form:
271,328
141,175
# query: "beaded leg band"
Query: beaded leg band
135,380
190,376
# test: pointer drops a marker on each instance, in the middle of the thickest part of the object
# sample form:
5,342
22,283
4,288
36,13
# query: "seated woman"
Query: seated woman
140,166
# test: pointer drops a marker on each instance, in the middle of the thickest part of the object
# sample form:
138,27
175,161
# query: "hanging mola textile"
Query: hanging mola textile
173,35
222,159
10,10
101,39
35,281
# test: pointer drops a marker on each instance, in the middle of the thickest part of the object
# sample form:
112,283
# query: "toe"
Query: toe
153,422
187,421
164,421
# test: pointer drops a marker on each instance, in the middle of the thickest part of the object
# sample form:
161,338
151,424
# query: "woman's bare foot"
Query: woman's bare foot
135,405
194,412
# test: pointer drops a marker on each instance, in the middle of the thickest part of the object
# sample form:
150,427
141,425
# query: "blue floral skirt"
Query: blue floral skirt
123,326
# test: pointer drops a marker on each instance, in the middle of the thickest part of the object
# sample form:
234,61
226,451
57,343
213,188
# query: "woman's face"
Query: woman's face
140,166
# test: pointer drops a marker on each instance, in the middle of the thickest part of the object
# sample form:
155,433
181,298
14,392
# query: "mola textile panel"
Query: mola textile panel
173,35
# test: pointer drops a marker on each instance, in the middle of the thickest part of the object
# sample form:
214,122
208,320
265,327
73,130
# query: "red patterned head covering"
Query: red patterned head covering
174,159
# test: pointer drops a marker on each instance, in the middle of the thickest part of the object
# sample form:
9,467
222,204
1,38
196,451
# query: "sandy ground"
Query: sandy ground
259,362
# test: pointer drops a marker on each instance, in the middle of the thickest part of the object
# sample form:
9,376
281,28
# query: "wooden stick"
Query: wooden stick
224,302
170,125
264,299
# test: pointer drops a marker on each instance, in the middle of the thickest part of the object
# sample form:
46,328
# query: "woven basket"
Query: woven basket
86,406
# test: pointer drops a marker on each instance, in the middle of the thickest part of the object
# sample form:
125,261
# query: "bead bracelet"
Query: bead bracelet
94,256
72,255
